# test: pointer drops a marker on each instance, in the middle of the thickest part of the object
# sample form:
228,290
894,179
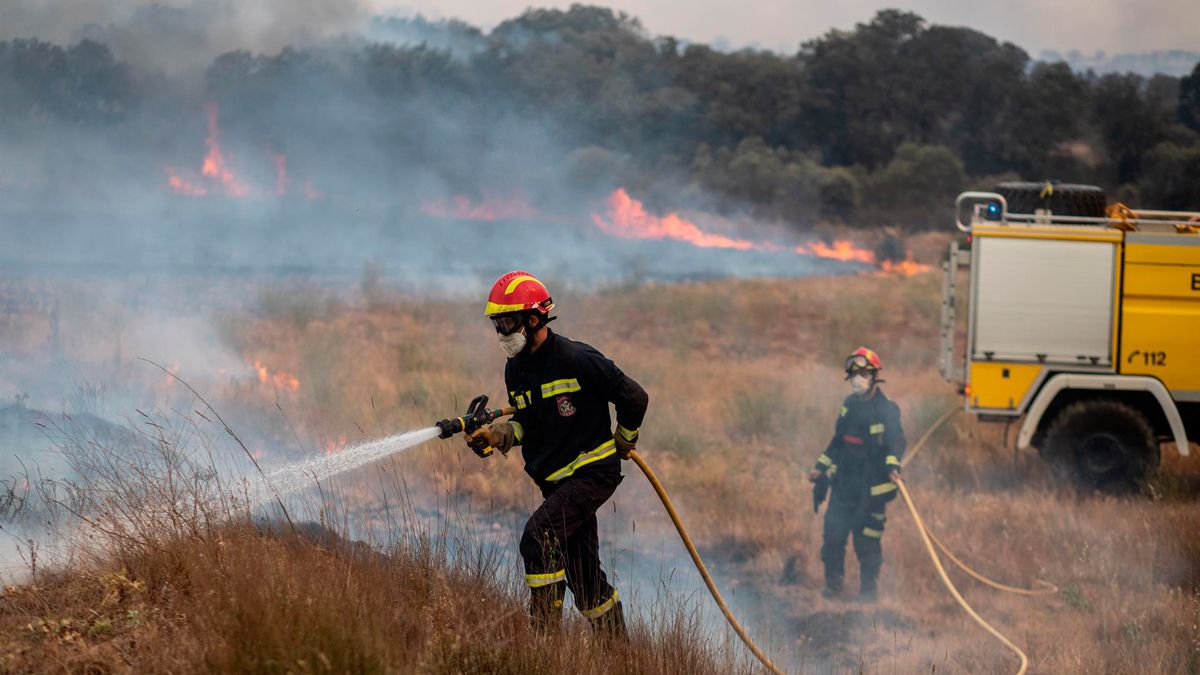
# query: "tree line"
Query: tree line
881,124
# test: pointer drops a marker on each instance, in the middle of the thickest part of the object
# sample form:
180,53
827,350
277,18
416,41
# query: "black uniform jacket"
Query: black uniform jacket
867,444
562,392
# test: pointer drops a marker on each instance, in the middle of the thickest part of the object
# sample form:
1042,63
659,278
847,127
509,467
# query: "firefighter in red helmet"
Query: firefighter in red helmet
860,467
561,390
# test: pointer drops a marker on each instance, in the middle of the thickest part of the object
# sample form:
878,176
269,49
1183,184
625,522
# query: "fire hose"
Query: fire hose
691,548
930,541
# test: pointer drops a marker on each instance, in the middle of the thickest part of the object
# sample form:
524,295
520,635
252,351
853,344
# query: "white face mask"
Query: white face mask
512,344
861,384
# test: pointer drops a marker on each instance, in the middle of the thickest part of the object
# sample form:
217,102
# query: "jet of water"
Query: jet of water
305,473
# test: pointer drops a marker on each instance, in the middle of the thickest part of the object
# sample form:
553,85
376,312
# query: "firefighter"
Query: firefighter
860,467
561,390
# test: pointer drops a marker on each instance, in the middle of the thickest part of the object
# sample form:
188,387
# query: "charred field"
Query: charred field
744,386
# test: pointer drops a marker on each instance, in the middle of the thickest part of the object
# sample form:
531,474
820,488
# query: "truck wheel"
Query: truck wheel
1104,443
1065,199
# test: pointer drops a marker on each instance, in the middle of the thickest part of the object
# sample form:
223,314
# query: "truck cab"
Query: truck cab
1082,324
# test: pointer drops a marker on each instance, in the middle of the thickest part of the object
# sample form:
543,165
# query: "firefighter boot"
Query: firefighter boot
611,624
868,579
545,608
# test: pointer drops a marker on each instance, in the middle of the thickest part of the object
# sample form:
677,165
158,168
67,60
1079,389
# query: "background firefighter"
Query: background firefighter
859,467
561,389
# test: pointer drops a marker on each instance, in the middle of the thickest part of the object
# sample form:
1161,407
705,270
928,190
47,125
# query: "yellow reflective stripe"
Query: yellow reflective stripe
879,516
517,281
882,489
844,411
539,580
876,428
627,434
606,449
519,400
824,460
892,460
603,607
877,534
560,387
493,308
518,430
832,469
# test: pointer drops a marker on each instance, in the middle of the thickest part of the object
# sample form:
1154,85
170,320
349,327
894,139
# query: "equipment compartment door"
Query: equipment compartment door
1044,300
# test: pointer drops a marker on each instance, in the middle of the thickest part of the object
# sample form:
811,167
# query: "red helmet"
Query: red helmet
518,292
863,359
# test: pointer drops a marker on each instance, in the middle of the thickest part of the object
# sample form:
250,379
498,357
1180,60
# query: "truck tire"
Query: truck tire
1104,444
1063,199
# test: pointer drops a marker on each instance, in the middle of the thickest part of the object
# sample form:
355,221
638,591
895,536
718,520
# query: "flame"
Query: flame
490,209
181,186
842,249
169,376
281,175
333,447
907,267
278,379
628,219
214,165
217,177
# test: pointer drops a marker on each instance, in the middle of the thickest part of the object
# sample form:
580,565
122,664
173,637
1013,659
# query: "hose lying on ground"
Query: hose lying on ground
691,548
937,563
1047,588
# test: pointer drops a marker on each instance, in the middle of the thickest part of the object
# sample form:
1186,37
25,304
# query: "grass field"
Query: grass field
744,383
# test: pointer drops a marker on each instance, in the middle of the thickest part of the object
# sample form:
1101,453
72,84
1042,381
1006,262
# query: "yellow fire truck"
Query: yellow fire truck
1082,323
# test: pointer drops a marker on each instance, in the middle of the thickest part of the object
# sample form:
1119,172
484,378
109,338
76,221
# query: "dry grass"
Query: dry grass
744,387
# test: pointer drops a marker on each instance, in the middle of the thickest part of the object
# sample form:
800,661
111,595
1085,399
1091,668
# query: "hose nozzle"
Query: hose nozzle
477,415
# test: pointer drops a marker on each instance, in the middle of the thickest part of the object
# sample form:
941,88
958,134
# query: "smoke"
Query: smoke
307,137
183,36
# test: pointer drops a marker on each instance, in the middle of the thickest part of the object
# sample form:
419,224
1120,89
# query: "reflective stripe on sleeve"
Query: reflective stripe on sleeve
876,429
892,460
844,411
519,400
558,387
599,610
882,489
876,534
606,449
824,460
627,434
518,430
539,580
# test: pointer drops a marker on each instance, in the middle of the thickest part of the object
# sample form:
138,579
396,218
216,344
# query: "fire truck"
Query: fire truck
1082,325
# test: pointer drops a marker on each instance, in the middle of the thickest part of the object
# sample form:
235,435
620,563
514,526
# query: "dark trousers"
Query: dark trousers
561,541
846,518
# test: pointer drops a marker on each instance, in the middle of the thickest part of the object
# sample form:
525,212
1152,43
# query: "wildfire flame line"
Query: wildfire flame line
628,218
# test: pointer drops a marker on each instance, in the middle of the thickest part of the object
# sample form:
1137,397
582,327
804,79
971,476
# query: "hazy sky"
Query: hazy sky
1086,25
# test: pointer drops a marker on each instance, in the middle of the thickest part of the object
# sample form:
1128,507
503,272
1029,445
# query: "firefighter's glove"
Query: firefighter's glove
625,440
499,436
820,491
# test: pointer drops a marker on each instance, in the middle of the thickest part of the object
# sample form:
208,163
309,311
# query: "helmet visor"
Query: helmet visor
858,362
507,324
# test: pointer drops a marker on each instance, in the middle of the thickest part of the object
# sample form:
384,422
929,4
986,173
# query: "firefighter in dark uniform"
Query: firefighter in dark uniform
562,389
860,467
